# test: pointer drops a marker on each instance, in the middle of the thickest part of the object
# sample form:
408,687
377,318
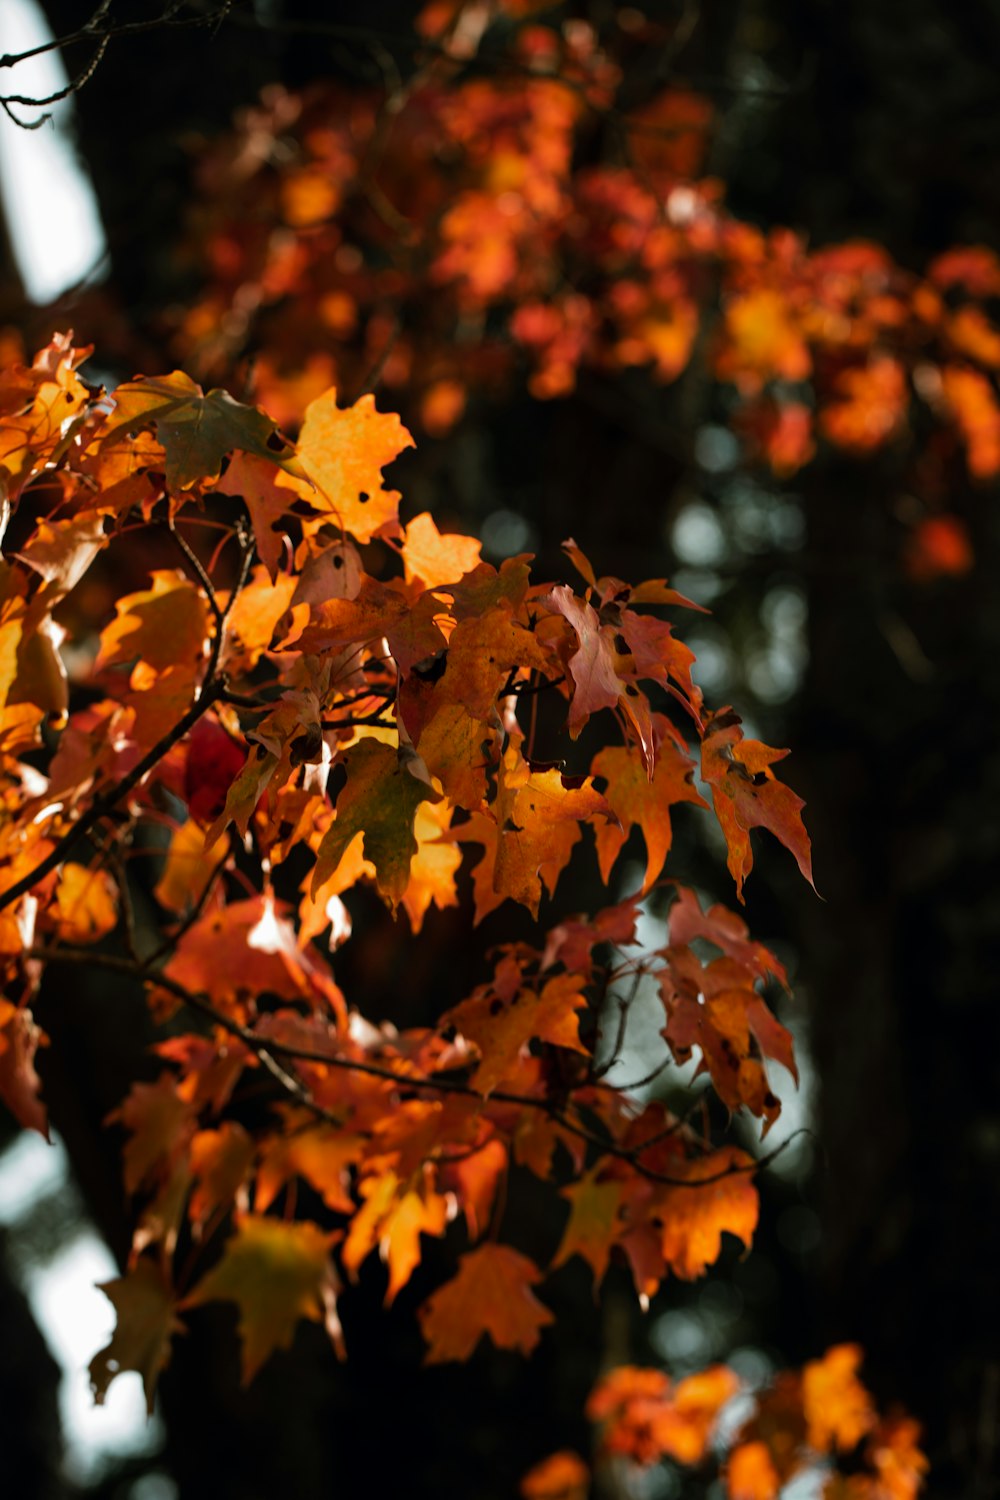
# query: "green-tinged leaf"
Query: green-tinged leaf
380,801
197,431
276,1273
146,1311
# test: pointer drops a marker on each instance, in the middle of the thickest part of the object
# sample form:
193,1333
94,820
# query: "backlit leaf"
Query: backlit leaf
746,795
343,450
380,800
277,1274
197,431
146,1322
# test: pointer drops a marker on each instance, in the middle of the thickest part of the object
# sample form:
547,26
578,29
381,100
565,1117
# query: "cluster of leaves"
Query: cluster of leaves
804,1423
504,209
348,710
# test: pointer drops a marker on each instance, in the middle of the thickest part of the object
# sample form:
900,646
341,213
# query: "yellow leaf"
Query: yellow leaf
276,1273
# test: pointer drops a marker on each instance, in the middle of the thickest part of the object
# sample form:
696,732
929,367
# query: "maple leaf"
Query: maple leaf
592,1229
434,866
86,904
746,794
636,798
452,721
474,1179
377,611
572,943
595,665
38,406
319,1154
538,816
162,626
254,478
276,1273
486,588
838,1410
380,801
726,931
490,1295
161,1122
343,450
647,1418
213,762
253,618
393,1216
678,1226
62,551
248,948
693,1218
501,1030
433,558
220,1160
715,1007
146,1322
197,431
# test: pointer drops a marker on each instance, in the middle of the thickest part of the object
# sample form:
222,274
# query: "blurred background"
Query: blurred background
167,212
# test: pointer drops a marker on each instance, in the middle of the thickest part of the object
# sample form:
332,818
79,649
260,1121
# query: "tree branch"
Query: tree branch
269,1051
107,802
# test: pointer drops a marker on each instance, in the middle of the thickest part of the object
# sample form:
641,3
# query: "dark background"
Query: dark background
841,120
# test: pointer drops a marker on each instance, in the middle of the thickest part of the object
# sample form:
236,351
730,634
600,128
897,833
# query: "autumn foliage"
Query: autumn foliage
508,216
350,707
804,1423
314,692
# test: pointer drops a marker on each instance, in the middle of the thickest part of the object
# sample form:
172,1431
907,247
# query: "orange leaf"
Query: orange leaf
491,1294
898,1462
163,626
343,451
561,1476
220,1160
539,815
434,866
85,905
248,948
320,1155
269,505
648,1418
750,1474
746,795
838,1409
502,1030
694,1218
433,558
393,1217
186,870
161,1122
593,1227
635,798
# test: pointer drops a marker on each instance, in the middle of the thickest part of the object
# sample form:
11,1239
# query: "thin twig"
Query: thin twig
269,1051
